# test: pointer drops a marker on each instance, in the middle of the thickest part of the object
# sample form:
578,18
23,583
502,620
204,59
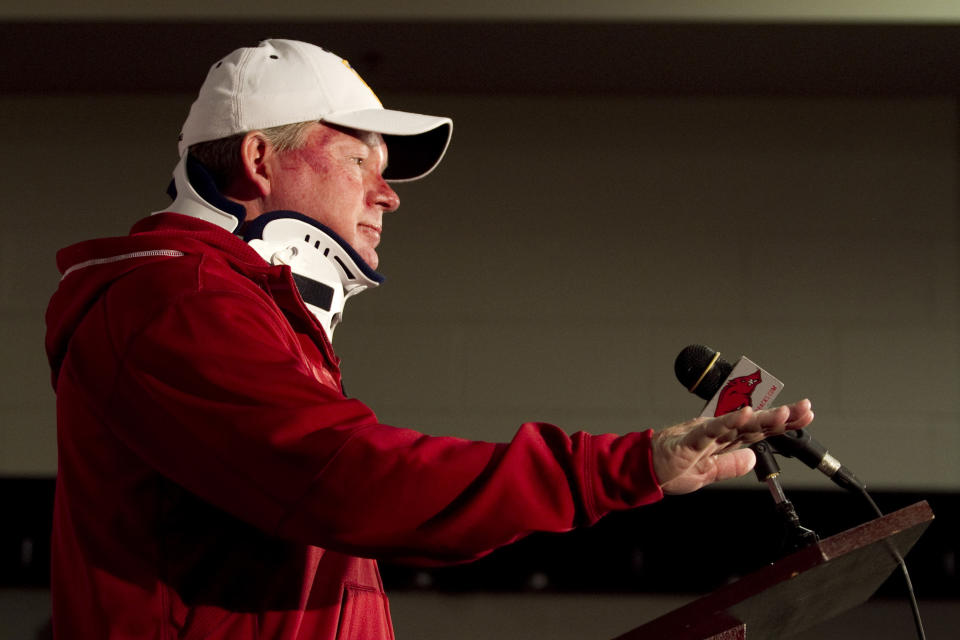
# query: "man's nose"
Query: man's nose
385,197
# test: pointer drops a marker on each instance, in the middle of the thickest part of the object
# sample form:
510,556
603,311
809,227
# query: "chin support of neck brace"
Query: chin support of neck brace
326,270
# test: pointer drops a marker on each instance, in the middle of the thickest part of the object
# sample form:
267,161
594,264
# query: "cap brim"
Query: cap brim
415,142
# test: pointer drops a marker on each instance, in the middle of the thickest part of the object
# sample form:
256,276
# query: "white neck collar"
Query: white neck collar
326,270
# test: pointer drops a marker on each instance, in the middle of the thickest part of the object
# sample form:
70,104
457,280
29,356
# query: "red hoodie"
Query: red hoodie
214,481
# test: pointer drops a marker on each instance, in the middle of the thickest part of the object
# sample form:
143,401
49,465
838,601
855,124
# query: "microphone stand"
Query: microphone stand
795,444
767,470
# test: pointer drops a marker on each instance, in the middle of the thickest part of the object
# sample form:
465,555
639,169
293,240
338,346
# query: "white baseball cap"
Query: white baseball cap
285,81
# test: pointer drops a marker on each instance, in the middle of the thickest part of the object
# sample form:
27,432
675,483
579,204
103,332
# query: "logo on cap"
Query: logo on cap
354,71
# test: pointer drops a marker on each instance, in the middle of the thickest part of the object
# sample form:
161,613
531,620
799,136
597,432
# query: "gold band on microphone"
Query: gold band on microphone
716,357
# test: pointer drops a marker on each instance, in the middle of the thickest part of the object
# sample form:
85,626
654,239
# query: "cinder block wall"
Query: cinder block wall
566,250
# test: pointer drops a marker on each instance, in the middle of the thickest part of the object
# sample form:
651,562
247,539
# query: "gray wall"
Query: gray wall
564,253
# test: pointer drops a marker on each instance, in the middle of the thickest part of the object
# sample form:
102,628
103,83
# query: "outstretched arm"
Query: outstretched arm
693,454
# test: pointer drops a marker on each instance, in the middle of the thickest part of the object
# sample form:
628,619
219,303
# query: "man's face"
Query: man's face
336,179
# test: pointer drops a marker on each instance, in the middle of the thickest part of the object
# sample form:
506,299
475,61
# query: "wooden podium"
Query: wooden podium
800,590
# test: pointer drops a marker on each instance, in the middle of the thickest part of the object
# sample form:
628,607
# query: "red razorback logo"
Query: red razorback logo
736,393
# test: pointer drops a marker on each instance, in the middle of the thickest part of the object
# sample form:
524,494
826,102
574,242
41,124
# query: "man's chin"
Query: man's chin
371,258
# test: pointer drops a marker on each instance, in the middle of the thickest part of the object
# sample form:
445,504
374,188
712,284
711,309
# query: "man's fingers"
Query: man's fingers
745,426
698,452
722,431
801,414
735,464
791,416
772,421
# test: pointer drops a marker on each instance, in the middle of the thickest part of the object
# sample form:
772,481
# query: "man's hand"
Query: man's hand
693,454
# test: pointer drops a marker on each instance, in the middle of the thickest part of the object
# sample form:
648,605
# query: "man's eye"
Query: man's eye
358,160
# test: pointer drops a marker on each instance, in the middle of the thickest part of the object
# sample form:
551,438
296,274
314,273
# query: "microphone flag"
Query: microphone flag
747,385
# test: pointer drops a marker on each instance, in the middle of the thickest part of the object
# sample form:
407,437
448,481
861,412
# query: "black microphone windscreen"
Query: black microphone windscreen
691,364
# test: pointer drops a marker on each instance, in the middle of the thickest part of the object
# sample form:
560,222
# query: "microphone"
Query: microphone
729,387
797,443
725,387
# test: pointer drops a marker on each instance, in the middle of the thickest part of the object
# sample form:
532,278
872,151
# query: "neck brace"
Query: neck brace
326,270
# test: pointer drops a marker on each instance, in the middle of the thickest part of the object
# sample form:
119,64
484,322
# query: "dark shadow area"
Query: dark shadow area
661,548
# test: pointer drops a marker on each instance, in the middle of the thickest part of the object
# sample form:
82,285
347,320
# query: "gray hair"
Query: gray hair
222,157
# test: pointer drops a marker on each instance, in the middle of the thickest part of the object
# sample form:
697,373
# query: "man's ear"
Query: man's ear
255,150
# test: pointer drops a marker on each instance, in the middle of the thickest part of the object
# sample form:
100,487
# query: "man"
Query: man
214,481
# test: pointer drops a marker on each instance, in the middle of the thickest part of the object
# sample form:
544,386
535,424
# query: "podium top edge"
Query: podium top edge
917,514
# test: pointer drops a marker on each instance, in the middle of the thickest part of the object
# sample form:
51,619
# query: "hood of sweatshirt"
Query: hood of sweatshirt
89,268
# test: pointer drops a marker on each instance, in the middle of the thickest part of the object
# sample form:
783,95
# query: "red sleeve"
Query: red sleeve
216,395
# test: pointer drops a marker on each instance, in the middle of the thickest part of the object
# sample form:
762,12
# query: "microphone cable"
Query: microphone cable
914,607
